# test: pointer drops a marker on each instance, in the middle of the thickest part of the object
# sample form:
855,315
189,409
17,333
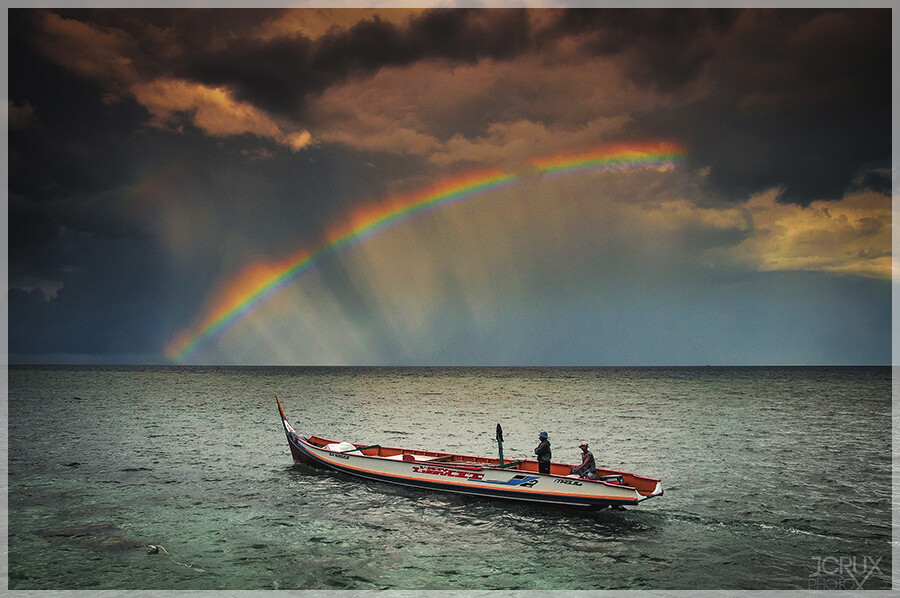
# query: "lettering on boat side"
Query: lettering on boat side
339,456
569,482
453,473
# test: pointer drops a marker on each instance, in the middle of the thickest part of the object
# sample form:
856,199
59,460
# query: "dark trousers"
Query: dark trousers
544,466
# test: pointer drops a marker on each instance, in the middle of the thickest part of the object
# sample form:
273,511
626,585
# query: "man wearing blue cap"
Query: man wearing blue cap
543,453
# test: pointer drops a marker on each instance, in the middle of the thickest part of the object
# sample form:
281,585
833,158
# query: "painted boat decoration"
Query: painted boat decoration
516,479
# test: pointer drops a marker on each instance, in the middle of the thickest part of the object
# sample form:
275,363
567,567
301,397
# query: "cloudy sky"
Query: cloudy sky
165,166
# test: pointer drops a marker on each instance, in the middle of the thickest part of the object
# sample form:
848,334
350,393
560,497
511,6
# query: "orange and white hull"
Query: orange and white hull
480,476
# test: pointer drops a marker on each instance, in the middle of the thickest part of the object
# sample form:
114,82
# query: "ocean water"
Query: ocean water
775,478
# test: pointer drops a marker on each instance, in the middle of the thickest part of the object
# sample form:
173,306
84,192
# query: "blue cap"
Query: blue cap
542,435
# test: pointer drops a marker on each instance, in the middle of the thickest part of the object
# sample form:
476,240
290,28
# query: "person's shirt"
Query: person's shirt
590,465
543,450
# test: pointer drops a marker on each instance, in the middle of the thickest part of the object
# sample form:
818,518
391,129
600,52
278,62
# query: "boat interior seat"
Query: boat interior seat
342,447
410,457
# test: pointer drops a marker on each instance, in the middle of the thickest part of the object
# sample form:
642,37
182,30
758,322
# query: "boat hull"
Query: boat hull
477,476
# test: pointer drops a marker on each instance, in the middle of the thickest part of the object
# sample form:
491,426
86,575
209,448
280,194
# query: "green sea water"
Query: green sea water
775,478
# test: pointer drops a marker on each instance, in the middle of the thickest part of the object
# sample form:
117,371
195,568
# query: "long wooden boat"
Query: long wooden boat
517,479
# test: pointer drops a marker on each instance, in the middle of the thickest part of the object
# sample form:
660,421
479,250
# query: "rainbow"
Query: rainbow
257,284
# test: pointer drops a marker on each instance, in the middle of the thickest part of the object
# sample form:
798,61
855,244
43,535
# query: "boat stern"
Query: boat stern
657,491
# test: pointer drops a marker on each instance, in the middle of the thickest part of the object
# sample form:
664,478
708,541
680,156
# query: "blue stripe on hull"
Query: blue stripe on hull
489,492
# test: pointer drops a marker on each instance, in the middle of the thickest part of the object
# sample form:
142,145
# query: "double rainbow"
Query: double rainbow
256,285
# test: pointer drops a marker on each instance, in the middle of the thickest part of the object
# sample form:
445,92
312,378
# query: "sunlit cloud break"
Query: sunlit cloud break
255,286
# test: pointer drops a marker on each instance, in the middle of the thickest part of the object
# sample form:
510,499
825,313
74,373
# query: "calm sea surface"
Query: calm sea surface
775,478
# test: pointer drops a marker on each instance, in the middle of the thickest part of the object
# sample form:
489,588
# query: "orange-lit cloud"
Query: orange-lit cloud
450,116
851,236
106,56
212,110
316,22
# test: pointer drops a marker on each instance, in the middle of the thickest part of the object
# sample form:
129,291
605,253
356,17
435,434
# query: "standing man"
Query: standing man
543,453
588,468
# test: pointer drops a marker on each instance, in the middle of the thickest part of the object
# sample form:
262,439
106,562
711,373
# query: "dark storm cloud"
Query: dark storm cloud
793,99
275,75
796,99
94,313
810,154
761,99
72,142
878,181
665,47
32,238
279,74
164,39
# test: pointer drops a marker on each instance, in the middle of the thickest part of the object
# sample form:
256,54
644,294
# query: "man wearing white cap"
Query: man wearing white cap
588,468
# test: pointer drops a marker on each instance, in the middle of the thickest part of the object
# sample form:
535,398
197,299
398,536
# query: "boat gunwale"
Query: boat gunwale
581,500
303,448
469,462
471,465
